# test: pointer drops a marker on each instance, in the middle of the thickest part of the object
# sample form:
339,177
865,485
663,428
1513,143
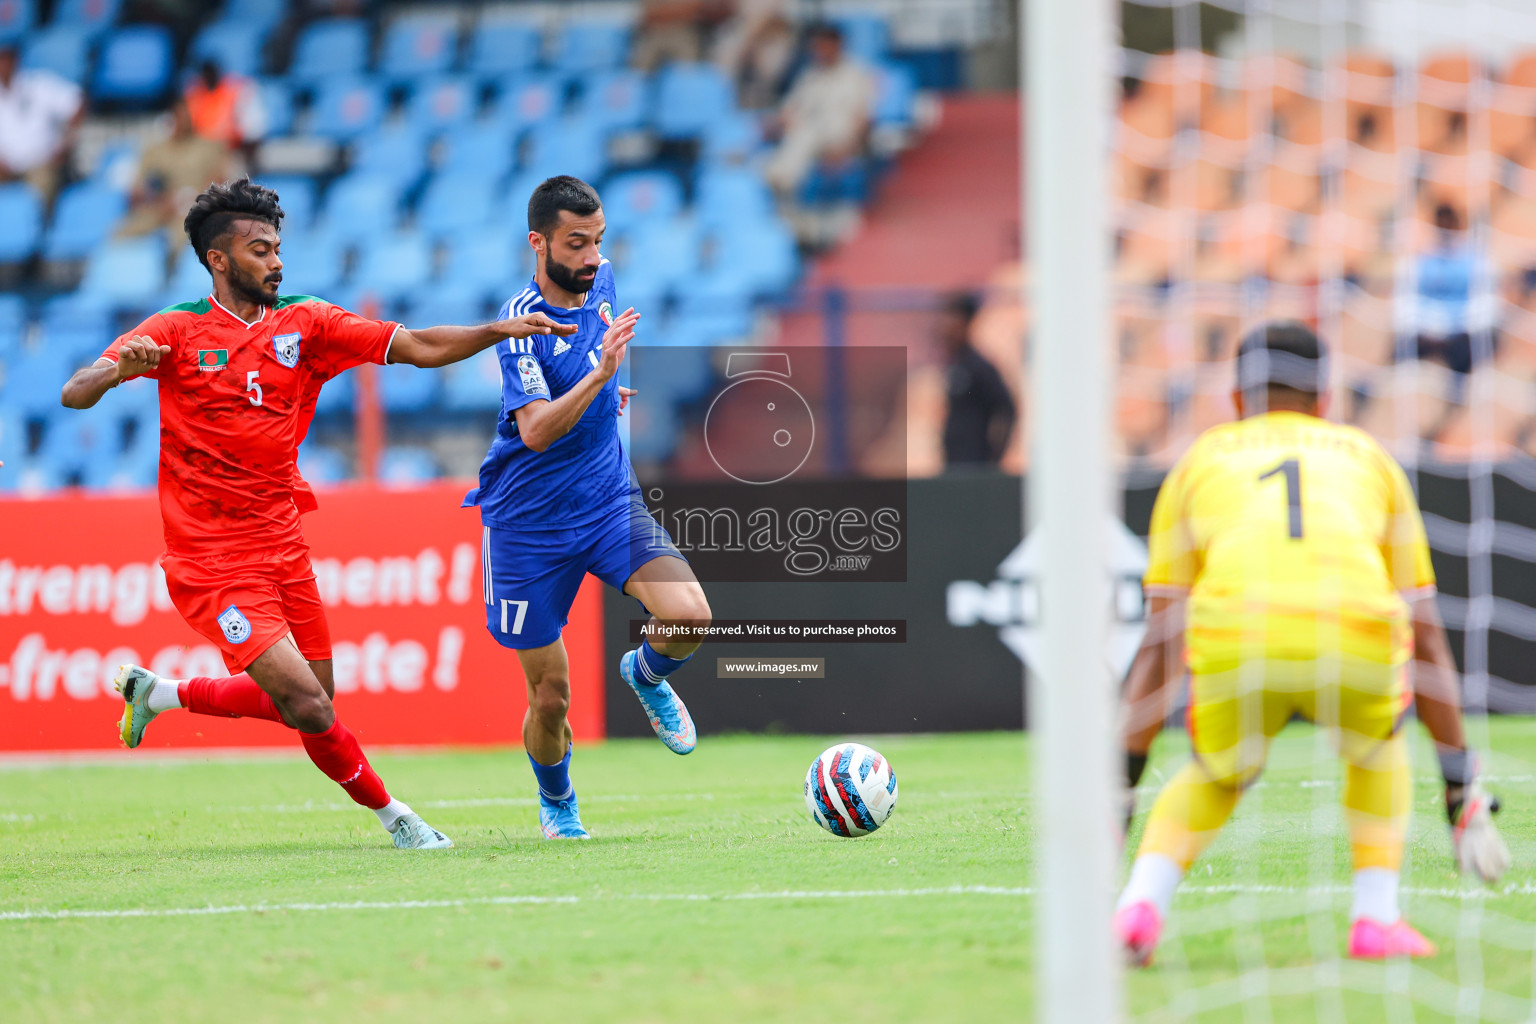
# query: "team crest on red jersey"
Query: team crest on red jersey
286,348
212,358
605,313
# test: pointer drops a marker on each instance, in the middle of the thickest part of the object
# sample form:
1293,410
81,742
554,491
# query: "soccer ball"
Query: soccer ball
850,790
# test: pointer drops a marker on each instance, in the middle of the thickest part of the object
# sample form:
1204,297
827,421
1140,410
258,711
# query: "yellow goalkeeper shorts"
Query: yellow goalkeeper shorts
1233,715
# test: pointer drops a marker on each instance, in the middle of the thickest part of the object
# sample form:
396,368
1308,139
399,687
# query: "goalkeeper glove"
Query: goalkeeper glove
1475,838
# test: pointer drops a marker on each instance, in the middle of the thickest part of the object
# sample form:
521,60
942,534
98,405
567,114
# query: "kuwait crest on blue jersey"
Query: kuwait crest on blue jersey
605,312
286,348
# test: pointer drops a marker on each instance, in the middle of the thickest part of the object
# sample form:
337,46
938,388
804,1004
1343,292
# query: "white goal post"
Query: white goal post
1066,48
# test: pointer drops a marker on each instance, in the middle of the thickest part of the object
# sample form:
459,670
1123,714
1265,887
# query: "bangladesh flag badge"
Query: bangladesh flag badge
212,358
605,312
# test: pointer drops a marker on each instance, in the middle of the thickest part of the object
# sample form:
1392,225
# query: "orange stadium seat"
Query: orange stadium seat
1443,101
1369,100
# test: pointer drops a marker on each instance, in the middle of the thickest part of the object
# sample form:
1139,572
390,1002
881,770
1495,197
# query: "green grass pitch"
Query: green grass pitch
242,890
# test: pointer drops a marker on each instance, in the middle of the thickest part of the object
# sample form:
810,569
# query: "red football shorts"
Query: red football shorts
244,603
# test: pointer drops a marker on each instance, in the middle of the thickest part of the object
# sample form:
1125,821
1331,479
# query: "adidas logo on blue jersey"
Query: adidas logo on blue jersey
561,347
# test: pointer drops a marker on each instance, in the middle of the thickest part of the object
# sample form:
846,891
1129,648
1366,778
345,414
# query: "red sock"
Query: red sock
336,753
229,697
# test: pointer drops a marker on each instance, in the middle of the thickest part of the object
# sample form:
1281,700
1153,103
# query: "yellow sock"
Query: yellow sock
1188,814
1378,792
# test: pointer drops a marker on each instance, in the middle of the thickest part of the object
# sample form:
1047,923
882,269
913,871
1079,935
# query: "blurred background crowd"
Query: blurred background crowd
792,172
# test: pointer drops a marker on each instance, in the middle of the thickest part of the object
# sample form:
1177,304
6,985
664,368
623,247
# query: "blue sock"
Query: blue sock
656,667
554,779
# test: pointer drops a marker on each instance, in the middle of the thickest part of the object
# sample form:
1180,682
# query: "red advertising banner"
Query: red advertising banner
81,591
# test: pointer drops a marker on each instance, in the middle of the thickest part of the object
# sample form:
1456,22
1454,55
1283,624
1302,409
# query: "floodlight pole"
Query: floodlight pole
1067,74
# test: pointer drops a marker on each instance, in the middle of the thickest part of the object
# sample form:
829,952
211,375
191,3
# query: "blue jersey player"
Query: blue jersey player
558,499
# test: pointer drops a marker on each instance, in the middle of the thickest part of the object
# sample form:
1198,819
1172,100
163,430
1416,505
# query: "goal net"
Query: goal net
1367,167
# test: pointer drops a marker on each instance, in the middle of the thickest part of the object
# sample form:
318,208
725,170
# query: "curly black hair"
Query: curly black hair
208,222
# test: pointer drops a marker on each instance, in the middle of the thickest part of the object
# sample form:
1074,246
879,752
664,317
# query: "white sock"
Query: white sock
165,696
1375,896
1154,877
391,813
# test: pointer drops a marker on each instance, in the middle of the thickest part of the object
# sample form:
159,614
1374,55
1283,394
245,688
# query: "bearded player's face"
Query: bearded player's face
571,255
255,266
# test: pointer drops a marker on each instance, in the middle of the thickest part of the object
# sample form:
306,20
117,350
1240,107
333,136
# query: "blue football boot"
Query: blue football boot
560,819
662,706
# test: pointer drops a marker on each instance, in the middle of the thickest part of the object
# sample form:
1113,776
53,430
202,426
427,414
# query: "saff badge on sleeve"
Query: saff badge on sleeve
286,348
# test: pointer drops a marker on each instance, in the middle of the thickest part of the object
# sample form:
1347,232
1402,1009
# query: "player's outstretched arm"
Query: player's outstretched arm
542,423
1475,838
137,356
439,346
1144,700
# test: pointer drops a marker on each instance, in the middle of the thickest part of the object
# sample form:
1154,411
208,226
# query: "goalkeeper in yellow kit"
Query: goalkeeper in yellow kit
1288,568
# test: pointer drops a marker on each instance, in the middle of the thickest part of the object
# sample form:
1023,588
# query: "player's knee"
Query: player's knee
309,710
692,609
551,700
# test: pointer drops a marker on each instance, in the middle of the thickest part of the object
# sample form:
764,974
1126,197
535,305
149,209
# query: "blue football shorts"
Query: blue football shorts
531,576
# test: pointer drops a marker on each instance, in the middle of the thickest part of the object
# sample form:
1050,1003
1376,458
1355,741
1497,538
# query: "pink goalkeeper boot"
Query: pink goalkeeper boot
1372,940
1139,926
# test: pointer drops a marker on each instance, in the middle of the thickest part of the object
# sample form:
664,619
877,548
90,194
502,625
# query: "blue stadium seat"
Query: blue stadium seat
190,282
689,97
277,105
13,446
397,151
474,384
16,18
571,146
312,263
62,49
419,43
528,103
358,206
21,211
296,195
501,46
320,464
32,380
261,15
441,103
85,214
866,36
641,196
128,273
725,195
670,249
483,261
400,466
135,65
235,46
591,44
330,47
615,100
13,325
394,263
459,202
336,396
652,429
482,146
346,107
763,252
407,388
895,91
74,311
93,17
733,138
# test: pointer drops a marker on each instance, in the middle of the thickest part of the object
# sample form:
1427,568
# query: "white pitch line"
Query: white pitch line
1522,889
500,901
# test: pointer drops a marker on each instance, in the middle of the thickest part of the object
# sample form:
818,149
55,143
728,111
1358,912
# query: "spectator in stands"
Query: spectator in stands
224,108
172,172
981,412
1453,307
675,30
755,49
826,116
39,114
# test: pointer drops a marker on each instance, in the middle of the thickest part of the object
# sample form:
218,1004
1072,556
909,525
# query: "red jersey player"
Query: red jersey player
239,372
